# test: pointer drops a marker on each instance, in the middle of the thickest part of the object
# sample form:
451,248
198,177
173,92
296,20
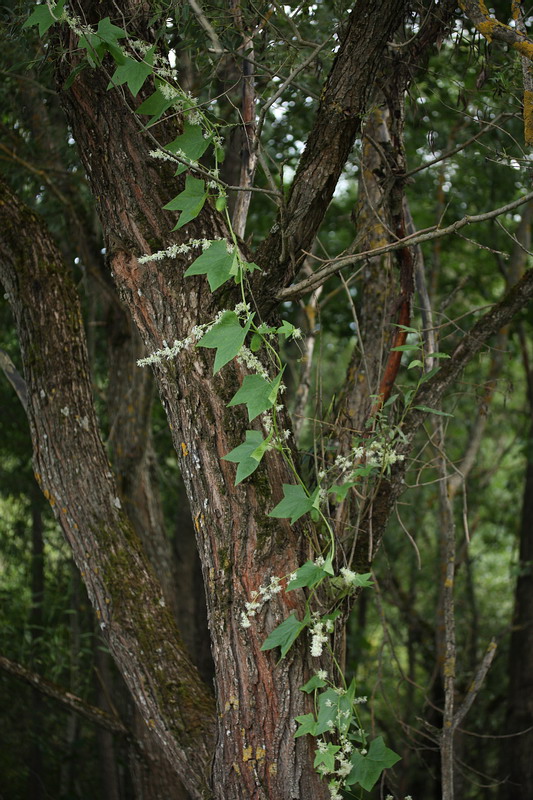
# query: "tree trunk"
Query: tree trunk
517,766
73,471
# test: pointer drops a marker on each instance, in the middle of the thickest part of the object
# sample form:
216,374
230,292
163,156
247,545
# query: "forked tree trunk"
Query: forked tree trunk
256,756
240,547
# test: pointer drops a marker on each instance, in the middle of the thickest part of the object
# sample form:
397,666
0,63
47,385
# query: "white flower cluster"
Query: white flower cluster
169,92
168,352
374,454
76,25
343,764
242,309
348,576
197,332
194,117
390,797
259,598
319,636
377,454
162,155
246,358
176,250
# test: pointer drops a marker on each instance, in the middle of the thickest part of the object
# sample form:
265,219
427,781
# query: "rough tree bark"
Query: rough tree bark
72,469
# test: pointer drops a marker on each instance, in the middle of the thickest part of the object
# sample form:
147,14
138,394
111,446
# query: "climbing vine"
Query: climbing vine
344,753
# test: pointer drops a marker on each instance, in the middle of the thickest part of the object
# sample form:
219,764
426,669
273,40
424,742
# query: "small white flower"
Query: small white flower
348,576
242,308
319,562
194,117
344,769
168,92
246,357
322,674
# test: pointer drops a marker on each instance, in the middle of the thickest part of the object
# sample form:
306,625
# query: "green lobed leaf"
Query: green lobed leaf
190,201
294,505
257,394
155,105
307,724
286,328
285,635
105,40
327,757
216,263
309,574
227,336
327,566
256,342
341,490
367,769
313,683
328,709
133,72
245,455
191,143
43,18
364,580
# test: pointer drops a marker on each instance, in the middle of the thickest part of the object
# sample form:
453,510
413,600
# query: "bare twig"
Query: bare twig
475,686
428,234
459,147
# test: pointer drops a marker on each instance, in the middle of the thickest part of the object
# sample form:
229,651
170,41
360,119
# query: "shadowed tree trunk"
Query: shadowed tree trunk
73,471
517,764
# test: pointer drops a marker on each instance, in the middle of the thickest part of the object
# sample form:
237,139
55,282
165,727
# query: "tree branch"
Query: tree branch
493,29
343,104
475,686
92,713
430,395
435,232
